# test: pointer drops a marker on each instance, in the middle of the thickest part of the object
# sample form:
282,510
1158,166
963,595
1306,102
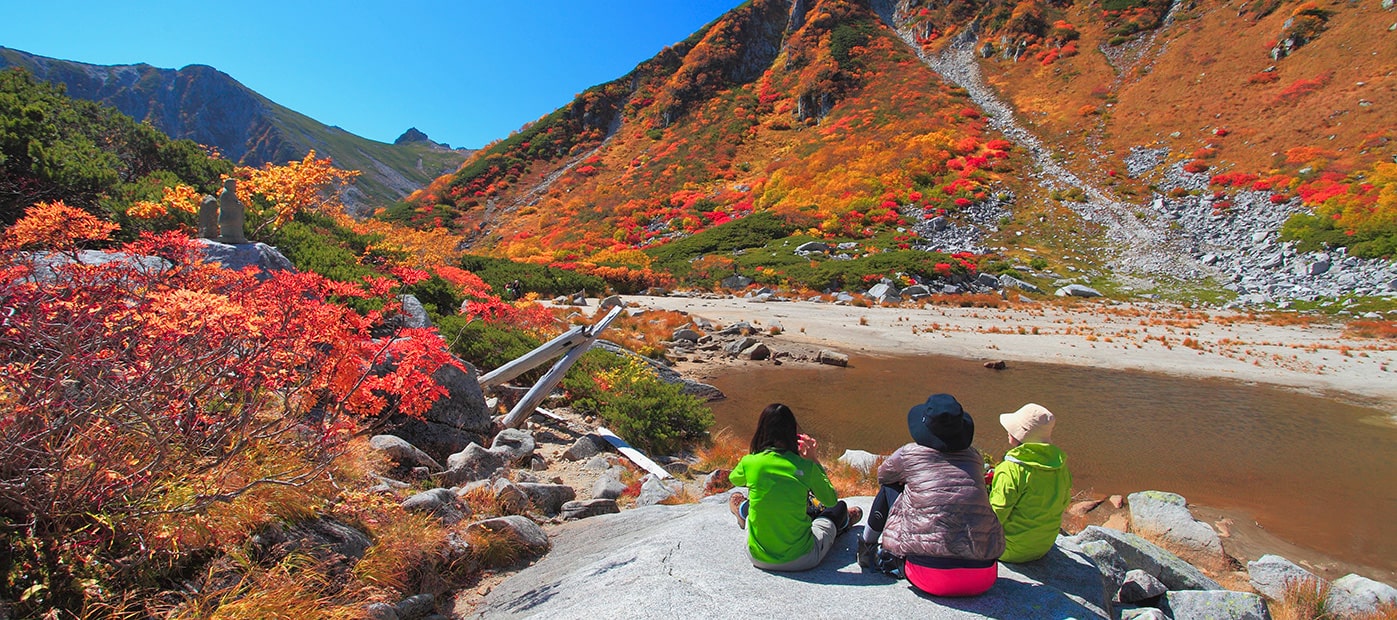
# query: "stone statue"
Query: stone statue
208,218
230,214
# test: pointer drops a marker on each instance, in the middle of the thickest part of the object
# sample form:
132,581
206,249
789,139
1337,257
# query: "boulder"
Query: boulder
608,487
1140,587
509,497
884,291
1077,290
337,544
414,315
1352,595
736,347
548,498
586,446
1136,552
832,358
1320,265
1165,518
653,490
859,459
1214,604
532,536
1008,281
264,258
717,481
453,421
756,352
1272,574
513,445
987,279
380,611
589,508
401,451
916,291
736,282
440,503
685,333
473,463
690,561
810,247
1141,613
416,607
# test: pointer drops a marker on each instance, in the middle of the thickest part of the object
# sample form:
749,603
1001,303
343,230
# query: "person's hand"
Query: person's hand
807,446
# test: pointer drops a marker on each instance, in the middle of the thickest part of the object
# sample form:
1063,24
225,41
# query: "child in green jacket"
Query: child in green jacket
1031,487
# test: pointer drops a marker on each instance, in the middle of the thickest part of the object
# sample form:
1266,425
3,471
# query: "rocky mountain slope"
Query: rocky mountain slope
1088,134
210,107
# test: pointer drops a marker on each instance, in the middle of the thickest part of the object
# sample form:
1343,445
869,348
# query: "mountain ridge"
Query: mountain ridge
201,103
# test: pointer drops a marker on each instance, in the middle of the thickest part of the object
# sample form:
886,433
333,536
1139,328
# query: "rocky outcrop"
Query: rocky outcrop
672,560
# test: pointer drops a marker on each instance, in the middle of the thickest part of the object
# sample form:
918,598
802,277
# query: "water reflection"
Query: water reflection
1311,470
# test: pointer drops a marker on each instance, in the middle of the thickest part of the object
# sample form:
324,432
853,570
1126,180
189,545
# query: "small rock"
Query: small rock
586,446
716,481
589,508
996,365
1165,517
832,358
861,460
756,352
1142,613
509,497
1080,509
685,333
1117,501
440,503
610,301
653,490
523,528
1140,587
513,445
380,611
548,498
400,450
677,468
608,487
473,463
416,607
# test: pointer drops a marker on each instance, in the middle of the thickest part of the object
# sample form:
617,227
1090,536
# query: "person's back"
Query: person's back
1031,487
778,483
942,512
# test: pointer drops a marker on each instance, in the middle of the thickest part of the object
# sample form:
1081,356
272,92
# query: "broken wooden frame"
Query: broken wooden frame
571,345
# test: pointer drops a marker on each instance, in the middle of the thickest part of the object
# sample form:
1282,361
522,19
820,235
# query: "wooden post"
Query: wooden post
549,350
526,405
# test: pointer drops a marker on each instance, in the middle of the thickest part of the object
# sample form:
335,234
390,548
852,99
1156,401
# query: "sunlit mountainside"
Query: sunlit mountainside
829,116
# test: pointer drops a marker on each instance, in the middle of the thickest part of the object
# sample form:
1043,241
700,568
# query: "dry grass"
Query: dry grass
296,587
495,548
1308,600
849,481
723,451
645,332
1384,330
404,545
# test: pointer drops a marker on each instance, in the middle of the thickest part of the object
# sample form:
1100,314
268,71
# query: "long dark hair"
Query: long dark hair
776,428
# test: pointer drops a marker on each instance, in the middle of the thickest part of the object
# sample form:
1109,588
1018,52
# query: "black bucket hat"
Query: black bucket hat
940,423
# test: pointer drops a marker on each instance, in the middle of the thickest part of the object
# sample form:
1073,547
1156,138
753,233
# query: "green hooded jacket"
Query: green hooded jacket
1031,488
779,484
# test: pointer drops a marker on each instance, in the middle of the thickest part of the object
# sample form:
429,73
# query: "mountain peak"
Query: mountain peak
412,135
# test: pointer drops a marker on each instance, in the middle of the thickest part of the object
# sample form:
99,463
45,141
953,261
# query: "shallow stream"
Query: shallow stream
1316,472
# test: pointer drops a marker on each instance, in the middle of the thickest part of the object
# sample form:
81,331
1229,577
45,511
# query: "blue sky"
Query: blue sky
464,72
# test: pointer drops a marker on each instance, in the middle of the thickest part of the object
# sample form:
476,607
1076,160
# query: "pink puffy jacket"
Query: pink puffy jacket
944,510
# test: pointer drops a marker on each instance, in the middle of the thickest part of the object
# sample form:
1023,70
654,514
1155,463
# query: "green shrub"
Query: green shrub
643,409
487,346
1039,263
541,279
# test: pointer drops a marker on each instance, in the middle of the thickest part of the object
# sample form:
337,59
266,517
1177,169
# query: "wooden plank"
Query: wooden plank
554,376
547,351
633,454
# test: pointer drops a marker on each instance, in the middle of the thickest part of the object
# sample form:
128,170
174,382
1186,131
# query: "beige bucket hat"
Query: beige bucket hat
1032,423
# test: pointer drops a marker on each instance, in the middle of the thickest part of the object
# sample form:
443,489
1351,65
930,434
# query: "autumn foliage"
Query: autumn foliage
136,389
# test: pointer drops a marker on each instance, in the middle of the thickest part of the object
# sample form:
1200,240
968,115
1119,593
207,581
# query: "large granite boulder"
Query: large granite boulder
1165,518
1214,605
1353,595
1137,552
690,561
238,256
1272,574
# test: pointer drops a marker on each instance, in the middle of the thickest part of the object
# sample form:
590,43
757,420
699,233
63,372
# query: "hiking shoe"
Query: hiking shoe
735,502
868,554
855,515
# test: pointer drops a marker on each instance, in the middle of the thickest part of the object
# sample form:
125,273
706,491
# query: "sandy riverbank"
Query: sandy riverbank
1315,357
